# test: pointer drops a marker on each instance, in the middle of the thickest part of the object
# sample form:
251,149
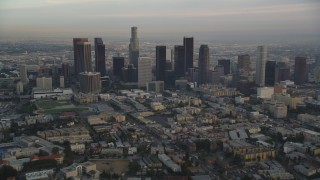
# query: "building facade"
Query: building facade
160,62
100,57
204,59
134,47
76,53
300,70
144,71
90,82
261,65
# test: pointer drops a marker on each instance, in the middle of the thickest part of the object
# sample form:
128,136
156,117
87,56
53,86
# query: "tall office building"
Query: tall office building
23,73
129,74
44,82
169,58
283,71
75,53
84,63
100,57
244,62
261,65
132,73
188,50
271,73
144,71
226,65
179,61
300,70
19,87
90,82
66,71
118,64
204,59
160,62
134,47
61,81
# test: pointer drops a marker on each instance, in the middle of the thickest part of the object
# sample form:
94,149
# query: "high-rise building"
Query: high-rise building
283,71
169,58
84,63
129,74
244,62
66,70
118,64
19,87
144,71
132,73
23,73
100,57
214,76
270,76
300,70
179,61
62,81
44,82
90,82
226,65
134,47
261,65
155,86
160,62
75,53
204,59
188,50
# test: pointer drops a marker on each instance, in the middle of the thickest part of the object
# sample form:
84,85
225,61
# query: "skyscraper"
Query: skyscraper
179,61
204,59
300,70
23,73
188,50
270,76
283,71
44,82
134,47
118,64
61,81
84,63
65,70
90,82
144,71
261,65
100,57
226,65
75,52
244,62
160,62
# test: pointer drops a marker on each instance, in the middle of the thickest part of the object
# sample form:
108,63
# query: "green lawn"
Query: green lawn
75,109
50,104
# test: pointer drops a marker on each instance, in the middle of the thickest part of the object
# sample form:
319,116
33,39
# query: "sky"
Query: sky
162,19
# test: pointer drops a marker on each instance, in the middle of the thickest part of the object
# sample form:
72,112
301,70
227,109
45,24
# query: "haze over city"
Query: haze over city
160,89
217,20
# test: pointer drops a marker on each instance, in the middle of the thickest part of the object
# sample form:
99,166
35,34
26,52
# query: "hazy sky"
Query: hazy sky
160,18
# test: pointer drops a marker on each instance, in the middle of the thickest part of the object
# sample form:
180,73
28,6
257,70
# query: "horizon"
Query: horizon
219,20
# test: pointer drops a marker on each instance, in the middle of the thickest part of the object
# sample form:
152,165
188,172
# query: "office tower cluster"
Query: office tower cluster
177,64
83,69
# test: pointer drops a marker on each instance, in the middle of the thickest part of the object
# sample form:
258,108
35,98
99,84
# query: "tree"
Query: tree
55,150
134,167
7,171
